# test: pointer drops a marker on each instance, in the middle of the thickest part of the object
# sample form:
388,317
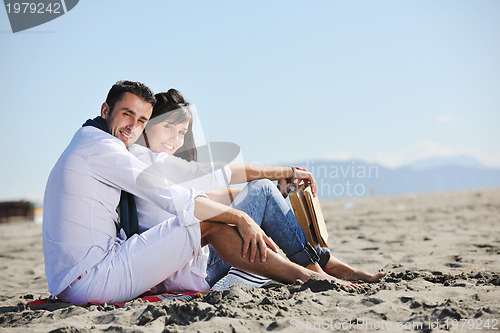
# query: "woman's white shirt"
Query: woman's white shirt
203,177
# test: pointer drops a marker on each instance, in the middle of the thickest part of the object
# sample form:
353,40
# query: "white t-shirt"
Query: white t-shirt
82,194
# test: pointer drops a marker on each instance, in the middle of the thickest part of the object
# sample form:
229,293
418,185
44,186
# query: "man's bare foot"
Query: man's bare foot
346,284
340,270
358,275
349,285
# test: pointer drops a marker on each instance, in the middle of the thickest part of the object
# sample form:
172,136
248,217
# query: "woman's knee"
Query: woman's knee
264,186
262,183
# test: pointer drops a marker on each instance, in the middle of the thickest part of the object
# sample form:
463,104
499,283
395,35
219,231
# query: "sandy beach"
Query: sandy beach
441,252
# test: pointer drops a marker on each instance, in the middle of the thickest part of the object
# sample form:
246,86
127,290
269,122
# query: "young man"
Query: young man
87,256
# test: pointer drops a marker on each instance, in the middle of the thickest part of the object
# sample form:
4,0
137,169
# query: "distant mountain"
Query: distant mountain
340,179
435,162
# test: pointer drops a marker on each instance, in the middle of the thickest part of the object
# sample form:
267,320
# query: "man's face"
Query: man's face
127,119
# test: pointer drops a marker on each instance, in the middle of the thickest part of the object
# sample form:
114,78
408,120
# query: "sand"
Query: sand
441,251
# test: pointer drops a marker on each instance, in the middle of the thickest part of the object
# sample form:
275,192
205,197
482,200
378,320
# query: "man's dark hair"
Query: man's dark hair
136,88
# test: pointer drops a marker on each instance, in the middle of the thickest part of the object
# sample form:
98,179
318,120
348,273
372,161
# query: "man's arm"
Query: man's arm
111,163
253,236
225,196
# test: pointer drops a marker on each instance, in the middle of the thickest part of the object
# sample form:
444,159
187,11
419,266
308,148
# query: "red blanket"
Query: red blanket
145,297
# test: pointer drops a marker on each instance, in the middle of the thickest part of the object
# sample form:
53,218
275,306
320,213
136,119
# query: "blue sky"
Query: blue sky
383,81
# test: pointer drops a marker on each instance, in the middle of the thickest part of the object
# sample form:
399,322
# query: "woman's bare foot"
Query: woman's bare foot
359,275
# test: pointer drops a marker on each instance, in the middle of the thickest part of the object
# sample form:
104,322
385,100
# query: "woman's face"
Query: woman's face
167,137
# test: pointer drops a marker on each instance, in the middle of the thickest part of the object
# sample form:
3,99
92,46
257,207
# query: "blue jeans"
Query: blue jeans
263,202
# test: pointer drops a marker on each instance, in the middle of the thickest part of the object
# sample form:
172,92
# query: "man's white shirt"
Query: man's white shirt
82,194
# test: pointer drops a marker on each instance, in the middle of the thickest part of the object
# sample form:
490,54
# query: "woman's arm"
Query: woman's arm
241,173
253,236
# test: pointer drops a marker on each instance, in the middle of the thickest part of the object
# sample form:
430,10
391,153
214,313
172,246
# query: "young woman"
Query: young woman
168,143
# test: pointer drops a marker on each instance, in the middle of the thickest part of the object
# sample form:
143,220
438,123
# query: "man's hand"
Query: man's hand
254,238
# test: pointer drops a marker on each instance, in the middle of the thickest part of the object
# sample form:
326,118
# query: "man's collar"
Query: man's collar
97,122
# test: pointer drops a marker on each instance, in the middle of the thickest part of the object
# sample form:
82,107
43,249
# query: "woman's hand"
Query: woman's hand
254,238
285,187
302,174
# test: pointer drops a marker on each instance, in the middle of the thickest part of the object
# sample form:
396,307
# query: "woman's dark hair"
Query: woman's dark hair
172,106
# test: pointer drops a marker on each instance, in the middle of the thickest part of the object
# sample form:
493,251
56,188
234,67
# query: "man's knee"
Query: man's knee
209,229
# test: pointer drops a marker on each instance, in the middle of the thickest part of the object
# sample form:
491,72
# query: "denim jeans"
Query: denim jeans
263,202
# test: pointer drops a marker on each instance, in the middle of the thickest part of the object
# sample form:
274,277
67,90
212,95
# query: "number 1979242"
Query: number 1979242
33,8
471,324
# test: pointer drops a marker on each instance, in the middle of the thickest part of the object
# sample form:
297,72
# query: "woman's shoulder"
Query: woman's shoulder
142,153
146,155
138,150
